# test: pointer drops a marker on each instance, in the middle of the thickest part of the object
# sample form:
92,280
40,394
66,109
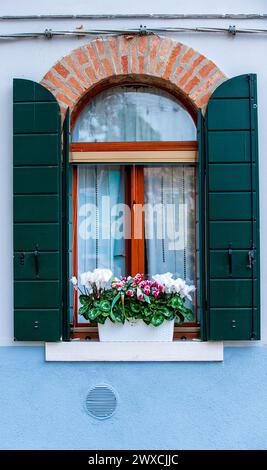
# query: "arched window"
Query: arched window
134,148
134,114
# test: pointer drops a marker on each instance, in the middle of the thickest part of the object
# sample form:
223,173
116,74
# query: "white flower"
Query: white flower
74,280
103,275
186,291
85,279
174,286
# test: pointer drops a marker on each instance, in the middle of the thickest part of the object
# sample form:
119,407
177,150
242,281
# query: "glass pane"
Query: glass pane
170,221
101,243
131,114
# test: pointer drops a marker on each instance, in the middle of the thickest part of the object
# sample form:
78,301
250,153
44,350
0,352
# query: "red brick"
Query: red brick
159,66
191,70
123,45
64,99
190,85
204,71
154,47
165,47
61,70
113,49
217,77
100,46
81,56
203,101
73,82
188,55
141,63
124,63
95,60
143,44
91,74
133,57
173,56
107,66
76,71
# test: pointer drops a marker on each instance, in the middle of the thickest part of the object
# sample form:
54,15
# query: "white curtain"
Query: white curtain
100,219
133,113
170,226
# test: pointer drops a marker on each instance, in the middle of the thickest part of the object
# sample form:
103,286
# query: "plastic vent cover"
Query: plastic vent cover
101,402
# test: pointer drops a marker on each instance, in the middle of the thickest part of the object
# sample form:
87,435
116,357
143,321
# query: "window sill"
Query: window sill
95,351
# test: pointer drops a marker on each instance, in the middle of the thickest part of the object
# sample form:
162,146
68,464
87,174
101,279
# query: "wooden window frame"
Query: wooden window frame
127,153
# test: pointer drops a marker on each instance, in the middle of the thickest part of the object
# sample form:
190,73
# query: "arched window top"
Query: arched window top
134,114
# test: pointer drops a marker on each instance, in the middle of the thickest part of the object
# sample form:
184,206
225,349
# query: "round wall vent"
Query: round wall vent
101,402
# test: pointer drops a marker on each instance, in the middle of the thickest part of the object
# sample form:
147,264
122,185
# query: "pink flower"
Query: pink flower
118,286
142,284
155,294
138,277
160,287
140,296
147,290
130,293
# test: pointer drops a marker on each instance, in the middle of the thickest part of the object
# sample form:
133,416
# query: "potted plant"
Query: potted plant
133,308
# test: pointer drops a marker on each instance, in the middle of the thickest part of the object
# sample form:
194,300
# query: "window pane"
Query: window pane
170,220
134,113
101,244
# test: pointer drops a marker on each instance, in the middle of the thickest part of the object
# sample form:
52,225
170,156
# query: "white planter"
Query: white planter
135,330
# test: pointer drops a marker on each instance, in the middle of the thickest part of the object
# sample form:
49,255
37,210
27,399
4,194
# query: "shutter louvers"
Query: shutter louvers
37,214
232,211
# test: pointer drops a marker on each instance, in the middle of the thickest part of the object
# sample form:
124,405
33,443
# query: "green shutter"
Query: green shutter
201,240
232,212
66,206
37,214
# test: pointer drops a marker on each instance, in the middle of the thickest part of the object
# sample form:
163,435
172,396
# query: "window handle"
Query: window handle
230,258
36,261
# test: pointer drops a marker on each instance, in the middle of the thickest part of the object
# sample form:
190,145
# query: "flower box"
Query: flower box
135,330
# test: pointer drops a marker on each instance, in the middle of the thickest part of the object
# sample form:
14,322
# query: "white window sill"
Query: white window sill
95,351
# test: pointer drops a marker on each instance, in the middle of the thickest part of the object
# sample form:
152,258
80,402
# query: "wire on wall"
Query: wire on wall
142,30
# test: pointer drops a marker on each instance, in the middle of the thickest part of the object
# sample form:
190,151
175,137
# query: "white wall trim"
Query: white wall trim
177,351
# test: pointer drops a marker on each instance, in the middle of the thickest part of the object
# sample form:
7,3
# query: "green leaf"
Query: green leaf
146,298
115,300
101,319
147,311
176,302
157,320
104,305
84,299
93,313
118,316
135,308
84,309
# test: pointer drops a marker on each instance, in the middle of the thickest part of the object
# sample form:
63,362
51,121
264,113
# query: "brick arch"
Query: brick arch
154,59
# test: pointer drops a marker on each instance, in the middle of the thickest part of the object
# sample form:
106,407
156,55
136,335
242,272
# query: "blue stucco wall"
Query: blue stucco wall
161,405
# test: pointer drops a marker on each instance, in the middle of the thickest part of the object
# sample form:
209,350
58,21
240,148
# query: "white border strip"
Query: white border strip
95,351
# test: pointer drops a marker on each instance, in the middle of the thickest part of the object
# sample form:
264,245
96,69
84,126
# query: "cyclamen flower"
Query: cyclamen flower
74,280
138,277
155,294
130,293
147,290
140,296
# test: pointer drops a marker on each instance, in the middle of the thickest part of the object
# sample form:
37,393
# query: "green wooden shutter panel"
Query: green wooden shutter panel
232,212
37,186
